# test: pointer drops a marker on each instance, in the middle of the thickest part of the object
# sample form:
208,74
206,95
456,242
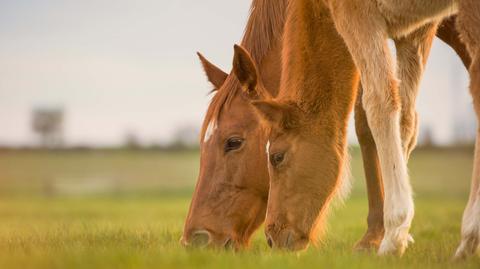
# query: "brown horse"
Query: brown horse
230,198
200,226
307,121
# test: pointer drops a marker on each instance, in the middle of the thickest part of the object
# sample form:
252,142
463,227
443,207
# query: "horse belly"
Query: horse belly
405,16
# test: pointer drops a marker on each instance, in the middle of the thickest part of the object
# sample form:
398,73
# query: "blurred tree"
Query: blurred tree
131,140
185,137
48,125
427,138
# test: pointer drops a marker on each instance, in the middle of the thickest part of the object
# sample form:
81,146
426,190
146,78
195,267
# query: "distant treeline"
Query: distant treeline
175,147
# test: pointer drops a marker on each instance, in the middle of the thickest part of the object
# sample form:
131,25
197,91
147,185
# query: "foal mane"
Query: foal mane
264,28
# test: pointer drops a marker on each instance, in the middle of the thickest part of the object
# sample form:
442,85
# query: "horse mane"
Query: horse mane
264,28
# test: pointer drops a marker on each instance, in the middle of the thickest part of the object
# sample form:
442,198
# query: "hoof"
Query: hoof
369,242
468,247
397,247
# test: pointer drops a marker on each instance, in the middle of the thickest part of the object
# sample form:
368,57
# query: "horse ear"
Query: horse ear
245,70
214,74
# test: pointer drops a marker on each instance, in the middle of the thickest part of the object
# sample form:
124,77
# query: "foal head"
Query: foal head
230,198
305,161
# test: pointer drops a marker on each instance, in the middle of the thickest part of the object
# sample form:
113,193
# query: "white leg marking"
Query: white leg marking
398,208
470,231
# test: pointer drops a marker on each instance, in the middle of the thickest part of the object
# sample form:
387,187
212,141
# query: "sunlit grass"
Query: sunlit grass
141,228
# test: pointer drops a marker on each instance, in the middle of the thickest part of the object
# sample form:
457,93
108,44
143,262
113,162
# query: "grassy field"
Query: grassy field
123,209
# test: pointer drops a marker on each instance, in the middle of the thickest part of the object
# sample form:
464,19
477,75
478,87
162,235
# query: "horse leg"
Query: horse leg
412,54
364,32
468,24
374,235
471,215
449,34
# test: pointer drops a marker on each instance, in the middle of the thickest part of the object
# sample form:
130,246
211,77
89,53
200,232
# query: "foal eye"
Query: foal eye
233,144
277,158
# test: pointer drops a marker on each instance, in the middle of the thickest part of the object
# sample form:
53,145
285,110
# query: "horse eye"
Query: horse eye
277,158
233,144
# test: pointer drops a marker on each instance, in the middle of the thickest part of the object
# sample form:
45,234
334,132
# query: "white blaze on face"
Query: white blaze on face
267,148
212,126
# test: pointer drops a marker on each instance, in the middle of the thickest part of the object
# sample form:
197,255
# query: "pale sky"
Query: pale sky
119,66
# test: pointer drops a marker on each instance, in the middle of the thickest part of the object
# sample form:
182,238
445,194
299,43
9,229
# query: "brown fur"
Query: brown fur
448,33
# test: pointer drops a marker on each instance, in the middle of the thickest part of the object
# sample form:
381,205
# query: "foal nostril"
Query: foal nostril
200,238
228,244
269,241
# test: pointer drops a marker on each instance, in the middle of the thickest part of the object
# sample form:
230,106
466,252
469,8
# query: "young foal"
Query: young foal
365,27
308,119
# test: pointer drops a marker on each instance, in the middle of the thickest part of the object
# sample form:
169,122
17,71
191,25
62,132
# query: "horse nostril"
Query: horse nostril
201,238
290,241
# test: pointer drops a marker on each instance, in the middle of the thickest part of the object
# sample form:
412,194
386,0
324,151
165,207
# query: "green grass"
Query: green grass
131,213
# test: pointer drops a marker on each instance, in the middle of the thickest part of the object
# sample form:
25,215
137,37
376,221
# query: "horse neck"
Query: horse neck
318,72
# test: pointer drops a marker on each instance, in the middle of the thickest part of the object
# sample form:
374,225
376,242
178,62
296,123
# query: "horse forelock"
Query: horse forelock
222,98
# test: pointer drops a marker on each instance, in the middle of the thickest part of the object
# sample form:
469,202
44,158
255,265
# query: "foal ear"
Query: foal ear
214,74
245,70
270,111
277,114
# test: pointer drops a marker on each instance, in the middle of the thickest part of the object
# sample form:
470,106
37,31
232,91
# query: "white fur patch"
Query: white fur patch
343,191
346,178
212,126
470,228
267,148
